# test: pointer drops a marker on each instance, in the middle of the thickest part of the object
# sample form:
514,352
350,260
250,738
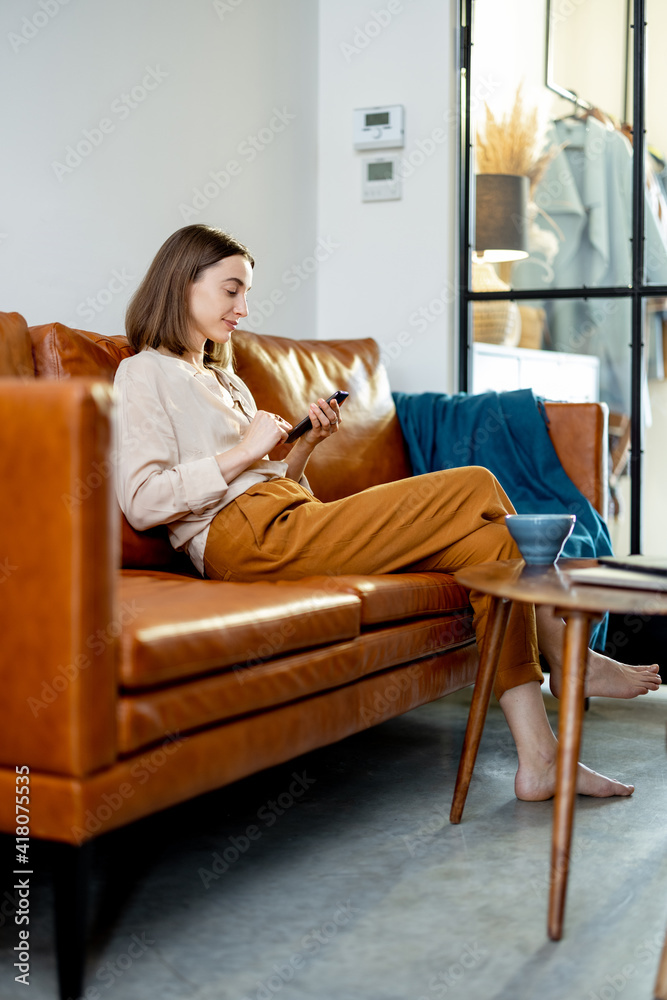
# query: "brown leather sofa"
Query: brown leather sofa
129,683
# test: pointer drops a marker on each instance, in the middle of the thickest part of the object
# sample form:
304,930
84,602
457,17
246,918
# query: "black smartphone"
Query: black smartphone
304,425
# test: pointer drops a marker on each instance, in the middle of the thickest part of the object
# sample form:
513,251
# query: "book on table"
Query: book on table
636,572
656,565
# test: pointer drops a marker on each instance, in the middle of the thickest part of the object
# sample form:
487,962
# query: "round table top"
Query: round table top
513,580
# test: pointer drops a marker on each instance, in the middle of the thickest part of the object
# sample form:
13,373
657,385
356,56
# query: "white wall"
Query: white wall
89,232
395,257
78,229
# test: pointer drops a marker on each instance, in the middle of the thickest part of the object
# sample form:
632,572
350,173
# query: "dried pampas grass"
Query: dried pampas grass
514,144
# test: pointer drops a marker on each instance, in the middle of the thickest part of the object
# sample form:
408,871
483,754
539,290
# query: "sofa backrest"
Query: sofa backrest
284,375
15,347
62,352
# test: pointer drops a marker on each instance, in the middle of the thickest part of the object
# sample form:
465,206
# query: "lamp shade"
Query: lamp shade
500,217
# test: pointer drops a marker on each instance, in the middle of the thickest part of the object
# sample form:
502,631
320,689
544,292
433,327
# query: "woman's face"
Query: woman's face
217,300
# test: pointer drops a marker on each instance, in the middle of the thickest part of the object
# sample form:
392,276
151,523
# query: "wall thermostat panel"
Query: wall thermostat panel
380,179
378,128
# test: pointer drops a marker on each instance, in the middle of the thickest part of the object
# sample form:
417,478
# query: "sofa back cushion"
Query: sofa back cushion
15,347
149,549
61,352
285,376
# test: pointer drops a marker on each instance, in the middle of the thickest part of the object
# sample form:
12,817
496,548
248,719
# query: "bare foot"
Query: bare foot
606,678
537,782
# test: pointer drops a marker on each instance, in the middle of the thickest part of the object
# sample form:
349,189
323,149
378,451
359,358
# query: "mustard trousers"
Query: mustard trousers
439,521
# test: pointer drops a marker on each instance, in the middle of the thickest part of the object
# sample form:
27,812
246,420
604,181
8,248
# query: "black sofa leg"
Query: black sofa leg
71,877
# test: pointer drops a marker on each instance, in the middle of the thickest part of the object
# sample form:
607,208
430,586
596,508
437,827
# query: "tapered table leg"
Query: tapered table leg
498,613
575,651
661,981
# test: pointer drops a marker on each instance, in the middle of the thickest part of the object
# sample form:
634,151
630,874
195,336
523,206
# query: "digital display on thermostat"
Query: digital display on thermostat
381,171
378,118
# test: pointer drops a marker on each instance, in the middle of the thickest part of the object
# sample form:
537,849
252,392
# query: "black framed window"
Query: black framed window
589,290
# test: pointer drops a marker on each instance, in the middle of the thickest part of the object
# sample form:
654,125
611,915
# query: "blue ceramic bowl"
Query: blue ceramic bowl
540,537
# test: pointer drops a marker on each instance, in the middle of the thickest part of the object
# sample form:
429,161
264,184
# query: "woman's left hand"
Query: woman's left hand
325,419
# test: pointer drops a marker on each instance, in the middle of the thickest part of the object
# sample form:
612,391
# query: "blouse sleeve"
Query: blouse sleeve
152,486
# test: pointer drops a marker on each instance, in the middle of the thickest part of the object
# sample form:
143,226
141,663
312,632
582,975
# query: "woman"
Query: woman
192,454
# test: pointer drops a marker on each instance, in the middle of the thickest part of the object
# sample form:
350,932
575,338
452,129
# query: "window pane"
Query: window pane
575,350
655,433
578,218
590,45
570,349
655,202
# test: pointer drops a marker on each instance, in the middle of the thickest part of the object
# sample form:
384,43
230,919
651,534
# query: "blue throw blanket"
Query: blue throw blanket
507,434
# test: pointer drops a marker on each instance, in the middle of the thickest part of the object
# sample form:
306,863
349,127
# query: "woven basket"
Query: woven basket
493,322
532,327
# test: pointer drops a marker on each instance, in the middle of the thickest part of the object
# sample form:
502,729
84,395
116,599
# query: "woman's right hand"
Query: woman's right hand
266,430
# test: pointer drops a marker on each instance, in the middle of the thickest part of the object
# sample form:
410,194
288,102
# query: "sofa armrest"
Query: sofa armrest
578,432
58,560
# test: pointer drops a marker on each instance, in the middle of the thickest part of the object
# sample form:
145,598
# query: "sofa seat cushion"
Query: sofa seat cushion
146,717
392,597
175,627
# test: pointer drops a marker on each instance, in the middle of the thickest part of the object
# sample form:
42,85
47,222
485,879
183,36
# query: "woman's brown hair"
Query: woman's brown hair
158,315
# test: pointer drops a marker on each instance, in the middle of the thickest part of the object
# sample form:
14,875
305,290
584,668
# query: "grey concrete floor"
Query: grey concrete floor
358,888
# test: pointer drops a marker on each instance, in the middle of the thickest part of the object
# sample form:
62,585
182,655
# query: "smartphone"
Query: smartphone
305,425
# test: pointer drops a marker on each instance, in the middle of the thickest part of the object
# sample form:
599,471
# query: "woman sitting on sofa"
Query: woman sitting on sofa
193,454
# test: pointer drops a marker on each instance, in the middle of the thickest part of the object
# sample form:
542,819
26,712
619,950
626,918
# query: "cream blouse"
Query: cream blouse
171,422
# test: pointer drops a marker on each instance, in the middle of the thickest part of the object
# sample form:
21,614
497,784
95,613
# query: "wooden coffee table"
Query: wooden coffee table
579,604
